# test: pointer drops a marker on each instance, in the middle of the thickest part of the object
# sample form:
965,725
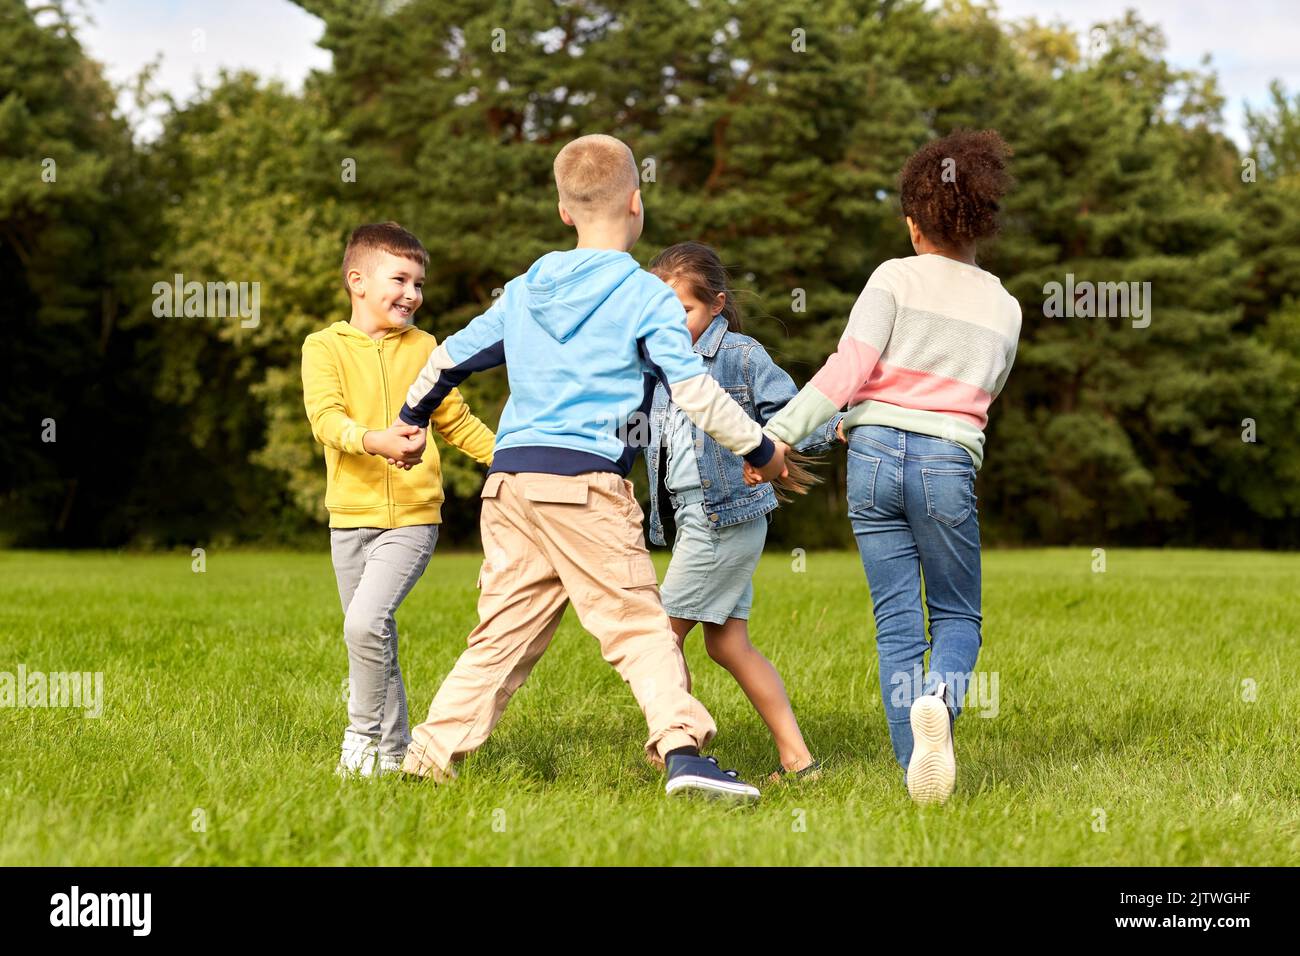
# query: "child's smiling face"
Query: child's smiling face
699,314
389,292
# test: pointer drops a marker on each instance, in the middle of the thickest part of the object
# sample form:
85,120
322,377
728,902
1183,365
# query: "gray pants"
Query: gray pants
376,568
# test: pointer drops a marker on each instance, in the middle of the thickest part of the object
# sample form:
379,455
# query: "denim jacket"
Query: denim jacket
742,367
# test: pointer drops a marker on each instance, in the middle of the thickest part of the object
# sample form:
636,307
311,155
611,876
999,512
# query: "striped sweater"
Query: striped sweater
928,346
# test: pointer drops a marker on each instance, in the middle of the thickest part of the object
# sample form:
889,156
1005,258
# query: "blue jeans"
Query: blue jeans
912,506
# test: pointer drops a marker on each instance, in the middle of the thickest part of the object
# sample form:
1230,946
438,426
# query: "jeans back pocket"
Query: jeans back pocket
949,494
862,481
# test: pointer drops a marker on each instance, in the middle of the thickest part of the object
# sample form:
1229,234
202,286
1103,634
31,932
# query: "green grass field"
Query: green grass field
1145,715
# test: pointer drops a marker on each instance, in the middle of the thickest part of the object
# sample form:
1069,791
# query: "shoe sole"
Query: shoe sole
932,773
712,789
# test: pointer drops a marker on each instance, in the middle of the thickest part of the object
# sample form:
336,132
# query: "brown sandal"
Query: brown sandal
809,773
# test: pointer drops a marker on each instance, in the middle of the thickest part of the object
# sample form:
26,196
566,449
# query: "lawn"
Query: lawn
1144,715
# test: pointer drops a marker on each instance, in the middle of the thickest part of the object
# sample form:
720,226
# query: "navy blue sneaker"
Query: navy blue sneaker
703,776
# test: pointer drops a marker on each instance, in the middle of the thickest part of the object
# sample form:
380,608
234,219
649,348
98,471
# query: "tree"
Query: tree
246,172
74,219
771,129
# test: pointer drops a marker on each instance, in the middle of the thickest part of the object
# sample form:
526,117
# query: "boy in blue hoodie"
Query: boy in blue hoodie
584,335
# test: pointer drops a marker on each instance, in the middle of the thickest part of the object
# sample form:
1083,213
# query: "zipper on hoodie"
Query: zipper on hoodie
388,471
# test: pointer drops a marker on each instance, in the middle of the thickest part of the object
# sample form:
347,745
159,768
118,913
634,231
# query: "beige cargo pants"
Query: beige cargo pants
549,540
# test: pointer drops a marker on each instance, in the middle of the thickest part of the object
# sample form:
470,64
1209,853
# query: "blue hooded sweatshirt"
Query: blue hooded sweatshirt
584,335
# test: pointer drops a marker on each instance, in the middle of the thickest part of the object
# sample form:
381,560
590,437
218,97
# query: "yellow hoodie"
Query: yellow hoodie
352,384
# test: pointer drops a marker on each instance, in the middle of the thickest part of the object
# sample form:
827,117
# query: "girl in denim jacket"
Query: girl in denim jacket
721,522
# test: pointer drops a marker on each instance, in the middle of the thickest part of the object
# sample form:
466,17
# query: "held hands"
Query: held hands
775,467
401,445
412,440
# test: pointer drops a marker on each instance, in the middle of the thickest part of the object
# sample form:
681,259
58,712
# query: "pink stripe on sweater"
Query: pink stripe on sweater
844,372
925,391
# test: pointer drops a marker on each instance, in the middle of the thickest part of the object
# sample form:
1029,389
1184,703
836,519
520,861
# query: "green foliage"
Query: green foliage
74,223
773,130
248,168
1275,133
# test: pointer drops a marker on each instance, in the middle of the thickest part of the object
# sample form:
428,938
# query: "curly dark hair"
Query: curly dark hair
952,186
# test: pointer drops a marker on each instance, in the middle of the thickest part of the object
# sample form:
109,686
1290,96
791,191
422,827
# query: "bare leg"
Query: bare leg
729,645
682,627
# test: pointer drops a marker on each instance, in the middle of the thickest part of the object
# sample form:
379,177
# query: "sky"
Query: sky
197,38
1250,41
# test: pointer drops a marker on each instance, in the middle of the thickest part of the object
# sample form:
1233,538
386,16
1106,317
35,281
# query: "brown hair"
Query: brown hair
374,237
595,175
952,187
702,271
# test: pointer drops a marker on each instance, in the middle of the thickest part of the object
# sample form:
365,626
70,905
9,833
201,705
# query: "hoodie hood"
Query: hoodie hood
565,288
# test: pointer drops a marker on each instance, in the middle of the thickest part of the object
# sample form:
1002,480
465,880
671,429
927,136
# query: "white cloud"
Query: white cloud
1250,42
274,38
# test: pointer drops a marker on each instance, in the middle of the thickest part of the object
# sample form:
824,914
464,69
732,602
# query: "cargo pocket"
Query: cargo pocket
496,574
492,487
555,489
631,507
635,578
949,494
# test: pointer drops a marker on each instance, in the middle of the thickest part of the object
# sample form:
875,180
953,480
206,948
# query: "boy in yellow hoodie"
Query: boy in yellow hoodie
383,482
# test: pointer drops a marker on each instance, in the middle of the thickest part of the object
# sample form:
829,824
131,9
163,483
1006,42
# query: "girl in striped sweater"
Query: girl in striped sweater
928,347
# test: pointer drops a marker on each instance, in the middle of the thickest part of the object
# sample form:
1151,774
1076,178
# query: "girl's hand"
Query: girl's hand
754,476
839,430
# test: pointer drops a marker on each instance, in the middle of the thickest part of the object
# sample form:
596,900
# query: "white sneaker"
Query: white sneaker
359,756
932,773
389,765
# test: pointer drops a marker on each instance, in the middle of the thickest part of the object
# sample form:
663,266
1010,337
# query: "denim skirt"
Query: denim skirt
710,577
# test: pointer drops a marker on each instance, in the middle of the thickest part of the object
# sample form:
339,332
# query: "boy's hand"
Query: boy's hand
411,440
401,445
775,467
416,439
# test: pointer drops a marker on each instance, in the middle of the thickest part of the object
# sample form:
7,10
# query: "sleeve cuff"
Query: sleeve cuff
761,455
776,428
354,439
411,418
832,436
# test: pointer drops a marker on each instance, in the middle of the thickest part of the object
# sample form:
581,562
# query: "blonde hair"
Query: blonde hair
595,175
